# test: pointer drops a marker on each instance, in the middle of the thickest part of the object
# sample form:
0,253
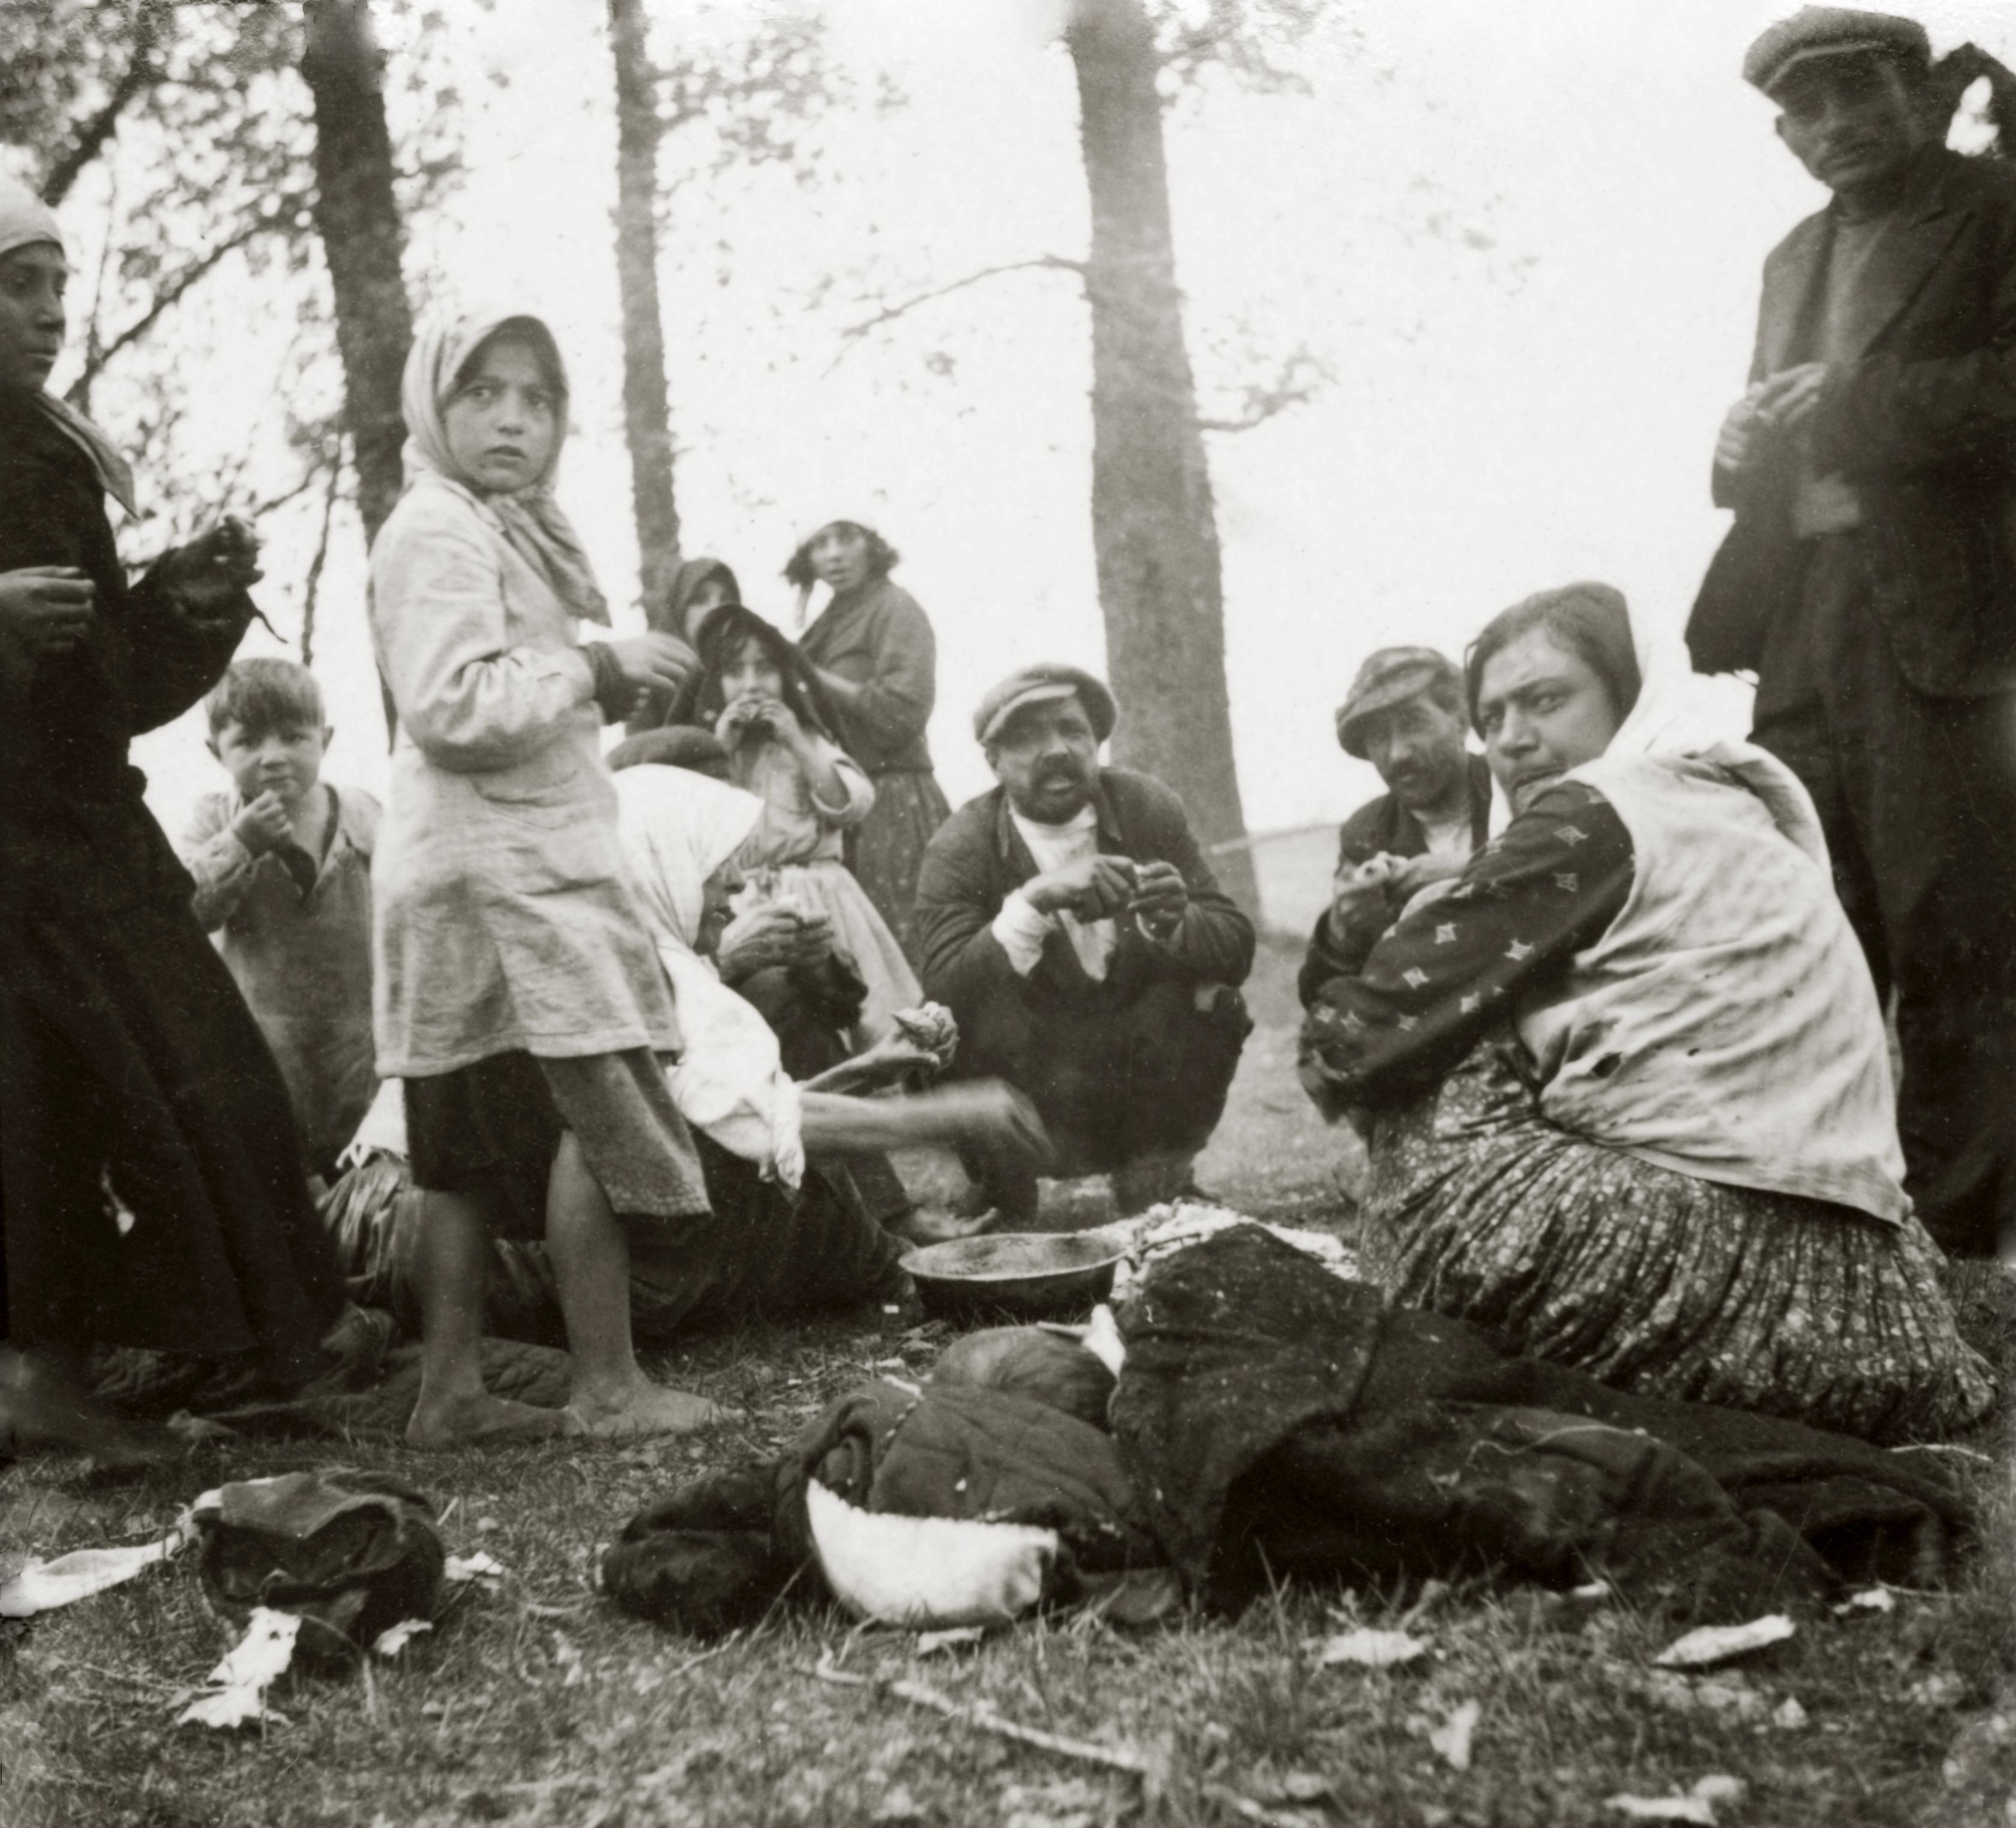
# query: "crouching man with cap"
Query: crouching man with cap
1870,577
1069,921
1404,715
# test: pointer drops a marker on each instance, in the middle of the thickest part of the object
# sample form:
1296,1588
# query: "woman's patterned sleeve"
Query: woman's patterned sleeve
1533,897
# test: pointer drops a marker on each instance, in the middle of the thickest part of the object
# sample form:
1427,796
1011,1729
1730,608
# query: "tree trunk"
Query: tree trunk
1155,533
356,215
646,411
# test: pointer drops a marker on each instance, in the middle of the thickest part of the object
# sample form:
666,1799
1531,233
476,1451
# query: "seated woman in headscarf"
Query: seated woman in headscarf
778,1156
1626,1081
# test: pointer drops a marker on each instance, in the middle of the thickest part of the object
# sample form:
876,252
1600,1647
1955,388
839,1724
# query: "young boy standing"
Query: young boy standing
283,868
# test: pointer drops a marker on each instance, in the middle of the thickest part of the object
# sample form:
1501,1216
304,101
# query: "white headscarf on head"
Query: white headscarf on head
678,828
532,520
27,222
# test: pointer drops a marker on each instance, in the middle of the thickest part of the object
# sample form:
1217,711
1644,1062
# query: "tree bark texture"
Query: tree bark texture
646,408
357,214
1154,530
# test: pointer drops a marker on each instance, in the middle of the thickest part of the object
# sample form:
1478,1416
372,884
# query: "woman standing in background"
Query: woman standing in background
873,652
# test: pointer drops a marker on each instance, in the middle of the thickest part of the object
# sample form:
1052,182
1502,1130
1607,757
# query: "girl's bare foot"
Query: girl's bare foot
471,1421
642,1408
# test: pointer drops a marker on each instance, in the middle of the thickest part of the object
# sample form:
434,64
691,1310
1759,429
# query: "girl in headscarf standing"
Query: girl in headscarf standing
873,652
126,1053
517,995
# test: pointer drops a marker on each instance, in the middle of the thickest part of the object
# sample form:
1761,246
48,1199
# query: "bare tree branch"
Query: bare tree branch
1054,262
1302,377
90,138
314,582
172,294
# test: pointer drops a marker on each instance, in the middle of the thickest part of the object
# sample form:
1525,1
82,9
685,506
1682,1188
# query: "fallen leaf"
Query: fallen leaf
957,1637
1718,1643
1069,1802
239,1684
1869,1599
1789,1715
1452,1741
482,1566
394,1638
1663,1809
1371,1650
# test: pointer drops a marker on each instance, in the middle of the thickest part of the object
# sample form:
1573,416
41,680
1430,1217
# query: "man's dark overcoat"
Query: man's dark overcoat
1886,652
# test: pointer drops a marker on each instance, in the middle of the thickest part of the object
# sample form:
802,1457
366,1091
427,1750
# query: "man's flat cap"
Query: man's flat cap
1042,684
1390,676
1831,31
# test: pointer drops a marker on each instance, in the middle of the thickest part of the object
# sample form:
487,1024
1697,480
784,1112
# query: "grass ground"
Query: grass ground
536,1705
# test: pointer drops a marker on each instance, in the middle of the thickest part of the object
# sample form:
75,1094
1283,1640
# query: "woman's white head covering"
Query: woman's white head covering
678,828
532,520
27,222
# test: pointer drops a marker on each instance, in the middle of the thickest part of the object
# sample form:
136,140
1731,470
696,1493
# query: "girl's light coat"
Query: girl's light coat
504,920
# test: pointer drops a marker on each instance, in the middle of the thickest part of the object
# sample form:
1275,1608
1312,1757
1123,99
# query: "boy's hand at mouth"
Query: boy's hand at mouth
263,825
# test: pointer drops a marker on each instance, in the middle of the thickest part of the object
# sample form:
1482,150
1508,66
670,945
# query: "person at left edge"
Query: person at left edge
126,1053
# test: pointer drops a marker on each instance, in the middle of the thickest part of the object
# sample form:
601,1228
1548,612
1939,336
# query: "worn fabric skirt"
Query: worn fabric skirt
886,850
1657,1282
493,1128
860,932
128,1058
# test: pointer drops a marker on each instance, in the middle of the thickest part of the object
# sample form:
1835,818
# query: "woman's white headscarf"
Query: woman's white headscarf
532,520
27,222
678,828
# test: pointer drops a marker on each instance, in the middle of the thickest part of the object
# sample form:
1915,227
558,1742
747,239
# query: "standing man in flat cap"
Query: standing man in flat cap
1404,715
1870,578
1069,921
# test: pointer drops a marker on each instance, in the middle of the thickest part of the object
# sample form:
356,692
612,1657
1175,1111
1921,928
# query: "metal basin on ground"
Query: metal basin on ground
1031,1276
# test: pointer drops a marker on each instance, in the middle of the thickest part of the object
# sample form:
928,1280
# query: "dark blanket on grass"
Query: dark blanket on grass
1271,1420
719,1550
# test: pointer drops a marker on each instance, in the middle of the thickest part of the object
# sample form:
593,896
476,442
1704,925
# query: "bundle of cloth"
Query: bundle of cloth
1265,1422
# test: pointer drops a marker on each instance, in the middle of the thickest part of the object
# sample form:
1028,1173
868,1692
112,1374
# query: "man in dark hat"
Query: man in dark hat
1404,715
1870,578
1068,920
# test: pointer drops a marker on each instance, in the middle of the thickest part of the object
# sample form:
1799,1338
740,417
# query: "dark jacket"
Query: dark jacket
109,985
1922,423
976,857
1381,825
73,829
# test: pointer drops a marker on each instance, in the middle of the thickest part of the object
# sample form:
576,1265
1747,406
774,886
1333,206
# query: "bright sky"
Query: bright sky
1525,238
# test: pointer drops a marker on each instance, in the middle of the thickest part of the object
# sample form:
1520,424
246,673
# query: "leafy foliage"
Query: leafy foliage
180,141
